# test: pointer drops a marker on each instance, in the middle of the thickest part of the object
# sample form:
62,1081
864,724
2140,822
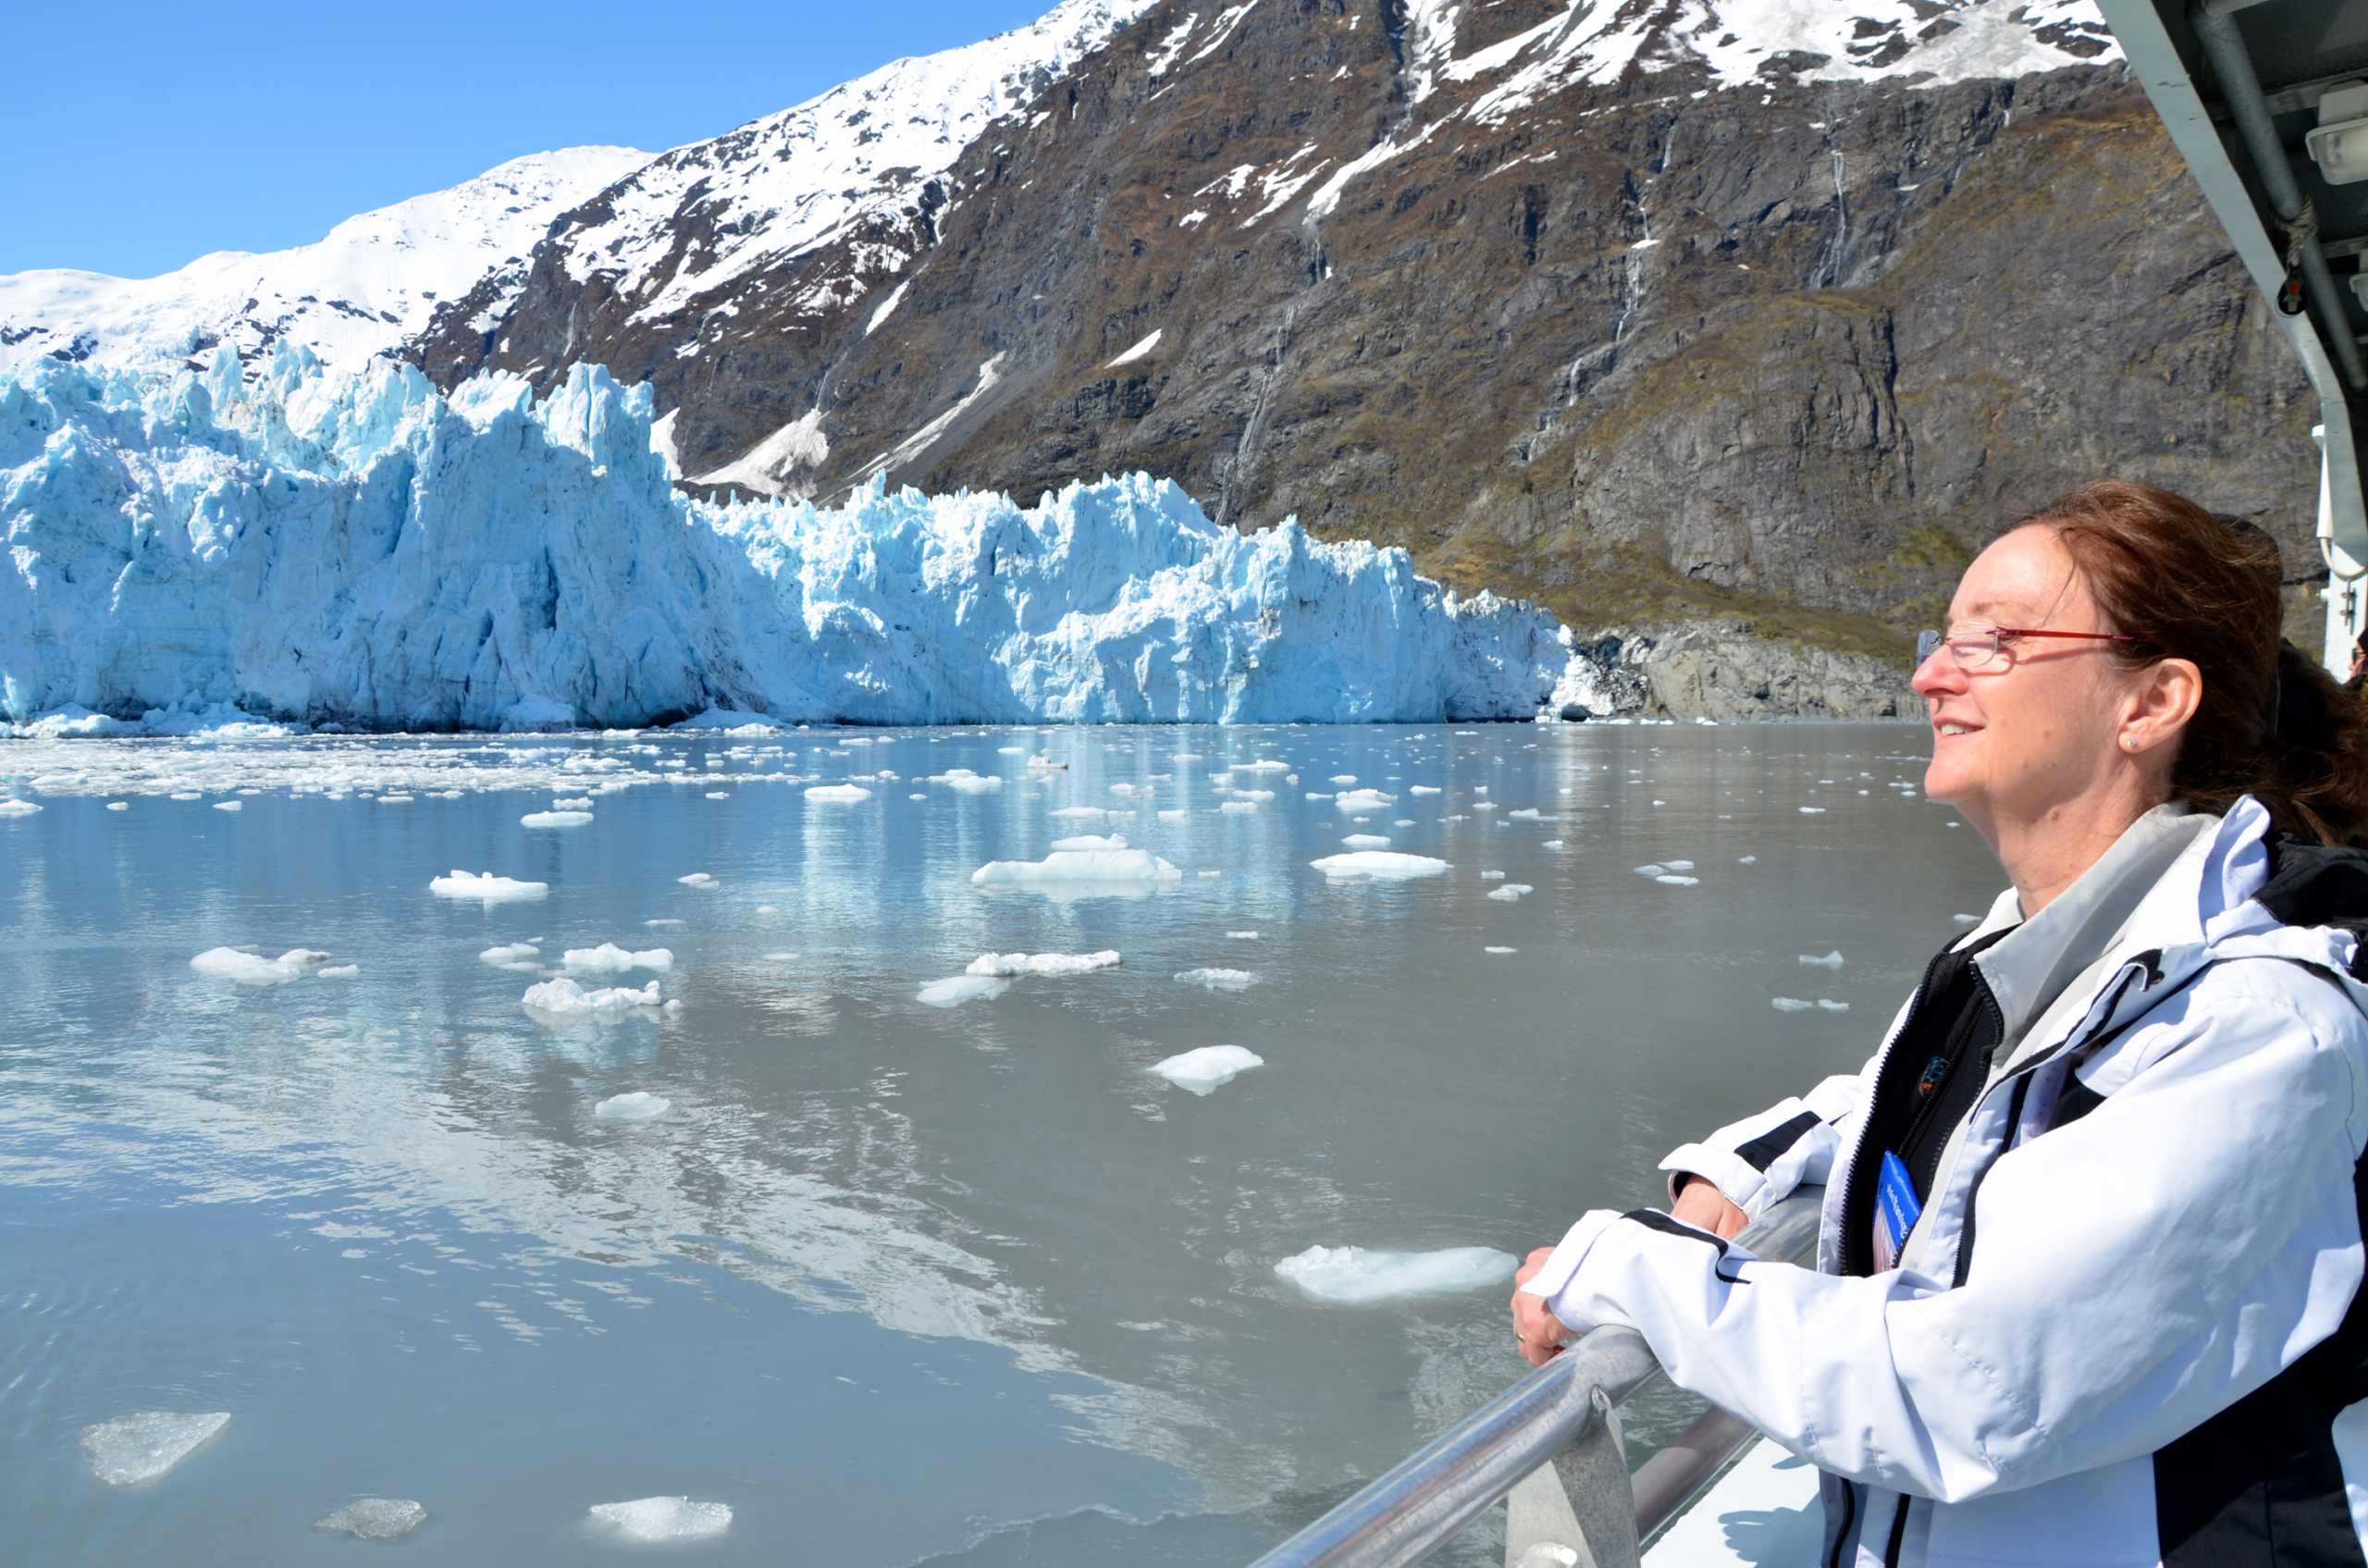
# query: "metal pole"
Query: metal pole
2240,88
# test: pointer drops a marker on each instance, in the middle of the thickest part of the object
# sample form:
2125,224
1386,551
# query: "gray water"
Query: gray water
895,1282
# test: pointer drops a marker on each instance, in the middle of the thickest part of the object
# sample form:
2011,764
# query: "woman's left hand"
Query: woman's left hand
1542,1335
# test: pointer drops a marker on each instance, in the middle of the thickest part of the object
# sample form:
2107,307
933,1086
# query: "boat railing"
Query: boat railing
1551,1444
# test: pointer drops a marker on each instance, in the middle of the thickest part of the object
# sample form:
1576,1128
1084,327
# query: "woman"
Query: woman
2087,1289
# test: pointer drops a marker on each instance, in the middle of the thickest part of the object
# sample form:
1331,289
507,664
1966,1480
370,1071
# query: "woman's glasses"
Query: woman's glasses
1978,647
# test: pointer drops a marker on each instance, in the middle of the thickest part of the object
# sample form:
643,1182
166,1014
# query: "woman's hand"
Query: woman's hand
1542,1335
1702,1205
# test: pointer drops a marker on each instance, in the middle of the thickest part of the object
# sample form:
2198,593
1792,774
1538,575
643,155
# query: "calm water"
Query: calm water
895,1282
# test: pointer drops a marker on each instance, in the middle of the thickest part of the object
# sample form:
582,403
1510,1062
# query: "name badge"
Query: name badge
1897,1212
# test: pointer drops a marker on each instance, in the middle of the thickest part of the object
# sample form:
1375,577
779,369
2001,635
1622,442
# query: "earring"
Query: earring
2130,742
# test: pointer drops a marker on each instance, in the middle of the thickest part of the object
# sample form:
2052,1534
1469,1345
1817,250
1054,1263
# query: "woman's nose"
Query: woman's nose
1938,675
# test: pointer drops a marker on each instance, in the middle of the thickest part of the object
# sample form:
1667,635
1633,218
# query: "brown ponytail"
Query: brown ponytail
2185,584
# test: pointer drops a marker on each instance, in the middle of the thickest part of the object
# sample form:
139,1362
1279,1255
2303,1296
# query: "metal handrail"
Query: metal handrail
1413,1510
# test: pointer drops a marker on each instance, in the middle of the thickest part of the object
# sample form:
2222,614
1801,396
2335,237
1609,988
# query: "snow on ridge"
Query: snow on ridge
374,280
355,547
794,180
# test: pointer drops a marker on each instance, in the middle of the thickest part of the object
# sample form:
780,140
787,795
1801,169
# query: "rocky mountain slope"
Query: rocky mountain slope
1663,313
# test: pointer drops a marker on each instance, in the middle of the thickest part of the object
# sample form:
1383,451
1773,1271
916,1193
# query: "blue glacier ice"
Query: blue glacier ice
293,545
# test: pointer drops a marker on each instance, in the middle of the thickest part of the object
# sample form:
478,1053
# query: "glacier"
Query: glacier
290,543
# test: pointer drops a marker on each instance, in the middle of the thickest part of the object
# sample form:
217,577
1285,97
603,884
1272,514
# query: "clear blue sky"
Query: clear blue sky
141,135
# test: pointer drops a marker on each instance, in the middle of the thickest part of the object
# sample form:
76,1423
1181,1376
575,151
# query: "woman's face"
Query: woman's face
2037,730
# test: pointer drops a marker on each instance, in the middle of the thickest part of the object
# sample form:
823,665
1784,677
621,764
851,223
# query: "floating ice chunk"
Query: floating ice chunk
1243,935
1174,815
1492,876
582,803
1263,765
1748,861
1253,795
1526,814
1501,949
247,969
1789,1003
112,806
1812,811
1365,800
955,990
1677,865
375,1519
1366,841
1403,822
638,1105
1661,802
187,794
1652,870
1209,873
554,818
1089,841
968,782
1673,880
1080,865
768,909
1551,844
1831,962
1239,807
1353,1274
1312,795
229,806
1422,789
1966,919
609,958
1511,893
565,999
664,1518
1204,1070
838,792
487,886
1381,864
515,956
1082,812
1490,805
1188,756
718,795
1011,751
1041,963
779,957
1219,980
1343,778
1833,1007
27,807
134,1448
663,925
699,880
338,971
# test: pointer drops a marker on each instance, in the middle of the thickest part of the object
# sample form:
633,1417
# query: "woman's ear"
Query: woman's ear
2165,699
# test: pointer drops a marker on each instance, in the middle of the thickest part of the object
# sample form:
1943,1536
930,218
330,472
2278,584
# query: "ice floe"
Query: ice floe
134,1448
1243,935
514,955
1812,811
1380,865
1085,813
965,780
229,806
1090,841
375,1519
554,818
955,990
1671,879
637,1105
609,958
1351,1275
837,792
1966,919
1501,949
1789,1003
563,998
1422,789
1342,779
1139,865
1366,841
17,808
1832,1006
1511,893
1219,980
1007,964
582,803
699,880
663,1518
1367,802
485,885
1239,807
1208,1067
1831,962
248,968
337,972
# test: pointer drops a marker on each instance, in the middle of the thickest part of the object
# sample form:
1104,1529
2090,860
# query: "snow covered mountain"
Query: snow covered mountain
368,288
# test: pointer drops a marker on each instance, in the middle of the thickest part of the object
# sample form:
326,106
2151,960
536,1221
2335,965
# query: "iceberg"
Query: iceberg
1208,1069
1352,1275
293,545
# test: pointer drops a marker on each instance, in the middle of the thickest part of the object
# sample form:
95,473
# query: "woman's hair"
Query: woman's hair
2183,584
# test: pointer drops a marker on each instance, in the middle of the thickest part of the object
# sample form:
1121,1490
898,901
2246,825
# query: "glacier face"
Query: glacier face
314,546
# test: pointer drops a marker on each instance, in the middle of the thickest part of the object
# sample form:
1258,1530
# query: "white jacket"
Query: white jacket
2146,1347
